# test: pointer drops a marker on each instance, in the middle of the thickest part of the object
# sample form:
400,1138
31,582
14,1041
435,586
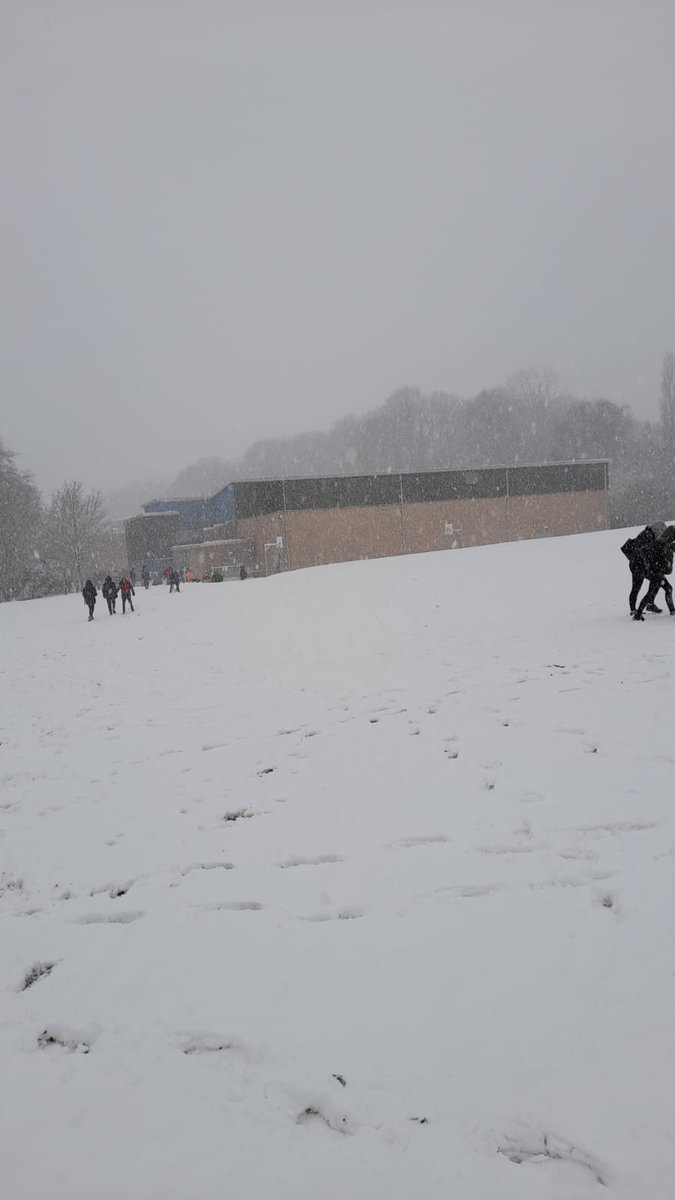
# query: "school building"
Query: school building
274,525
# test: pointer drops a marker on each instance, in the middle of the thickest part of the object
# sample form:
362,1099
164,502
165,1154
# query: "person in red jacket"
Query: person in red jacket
127,591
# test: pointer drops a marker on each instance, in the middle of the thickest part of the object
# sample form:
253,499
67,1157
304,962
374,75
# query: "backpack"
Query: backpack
628,547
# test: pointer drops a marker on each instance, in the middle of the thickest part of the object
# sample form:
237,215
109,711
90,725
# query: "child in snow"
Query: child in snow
109,590
89,595
127,591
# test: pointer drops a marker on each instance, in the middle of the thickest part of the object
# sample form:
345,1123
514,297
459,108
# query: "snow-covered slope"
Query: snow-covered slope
353,883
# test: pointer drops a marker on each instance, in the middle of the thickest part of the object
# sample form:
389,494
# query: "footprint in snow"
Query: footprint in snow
518,848
337,1121
114,890
315,861
535,1147
208,866
67,1037
122,918
39,970
344,914
426,840
211,1043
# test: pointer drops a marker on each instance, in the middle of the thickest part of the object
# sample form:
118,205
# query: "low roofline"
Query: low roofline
165,512
217,542
526,466
174,500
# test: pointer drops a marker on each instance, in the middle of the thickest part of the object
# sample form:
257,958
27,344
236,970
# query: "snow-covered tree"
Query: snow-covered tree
668,407
20,517
75,526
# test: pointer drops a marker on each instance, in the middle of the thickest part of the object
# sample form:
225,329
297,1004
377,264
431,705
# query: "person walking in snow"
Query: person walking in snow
639,551
145,576
127,590
89,595
109,590
658,563
174,581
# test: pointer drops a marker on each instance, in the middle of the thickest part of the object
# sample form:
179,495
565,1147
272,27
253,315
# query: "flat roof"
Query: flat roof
256,497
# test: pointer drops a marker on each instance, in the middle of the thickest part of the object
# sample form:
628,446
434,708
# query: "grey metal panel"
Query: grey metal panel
428,486
343,491
561,477
255,499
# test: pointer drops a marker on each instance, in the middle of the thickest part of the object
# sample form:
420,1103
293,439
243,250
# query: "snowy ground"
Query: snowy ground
352,883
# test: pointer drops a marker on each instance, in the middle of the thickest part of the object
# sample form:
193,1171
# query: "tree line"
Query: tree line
529,419
47,547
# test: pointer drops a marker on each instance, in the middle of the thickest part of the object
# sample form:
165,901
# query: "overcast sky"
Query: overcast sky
241,218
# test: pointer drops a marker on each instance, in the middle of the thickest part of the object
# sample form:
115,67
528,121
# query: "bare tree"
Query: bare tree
539,385
20,517
76,525
668,406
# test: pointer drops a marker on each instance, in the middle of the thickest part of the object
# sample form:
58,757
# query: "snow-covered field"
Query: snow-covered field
353,883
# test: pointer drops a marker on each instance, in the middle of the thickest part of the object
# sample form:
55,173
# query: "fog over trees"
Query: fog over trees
52,545
529,419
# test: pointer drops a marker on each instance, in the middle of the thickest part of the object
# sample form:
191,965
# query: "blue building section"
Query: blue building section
196,514
222,508
191,512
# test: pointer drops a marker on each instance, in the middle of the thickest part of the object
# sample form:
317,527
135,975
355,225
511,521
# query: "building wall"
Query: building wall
342,534
553,516
203,558
473,522
149,539
324,535
265,530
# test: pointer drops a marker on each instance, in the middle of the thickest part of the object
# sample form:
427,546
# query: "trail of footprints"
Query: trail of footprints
521,845
328,1104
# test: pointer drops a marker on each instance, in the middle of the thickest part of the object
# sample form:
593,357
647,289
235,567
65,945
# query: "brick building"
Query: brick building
283,524
150,538
303,522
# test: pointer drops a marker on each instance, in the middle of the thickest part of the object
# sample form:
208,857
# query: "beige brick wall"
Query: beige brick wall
557,514
262,530
328,535
475,523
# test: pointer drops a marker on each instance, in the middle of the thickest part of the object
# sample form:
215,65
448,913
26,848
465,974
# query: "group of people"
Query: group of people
125,588
110,591
650,557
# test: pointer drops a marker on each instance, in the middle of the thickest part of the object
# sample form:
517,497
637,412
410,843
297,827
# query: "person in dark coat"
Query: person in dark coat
658,557
109,590
243,573
145,576
89,595
174,581
640,551
127,591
